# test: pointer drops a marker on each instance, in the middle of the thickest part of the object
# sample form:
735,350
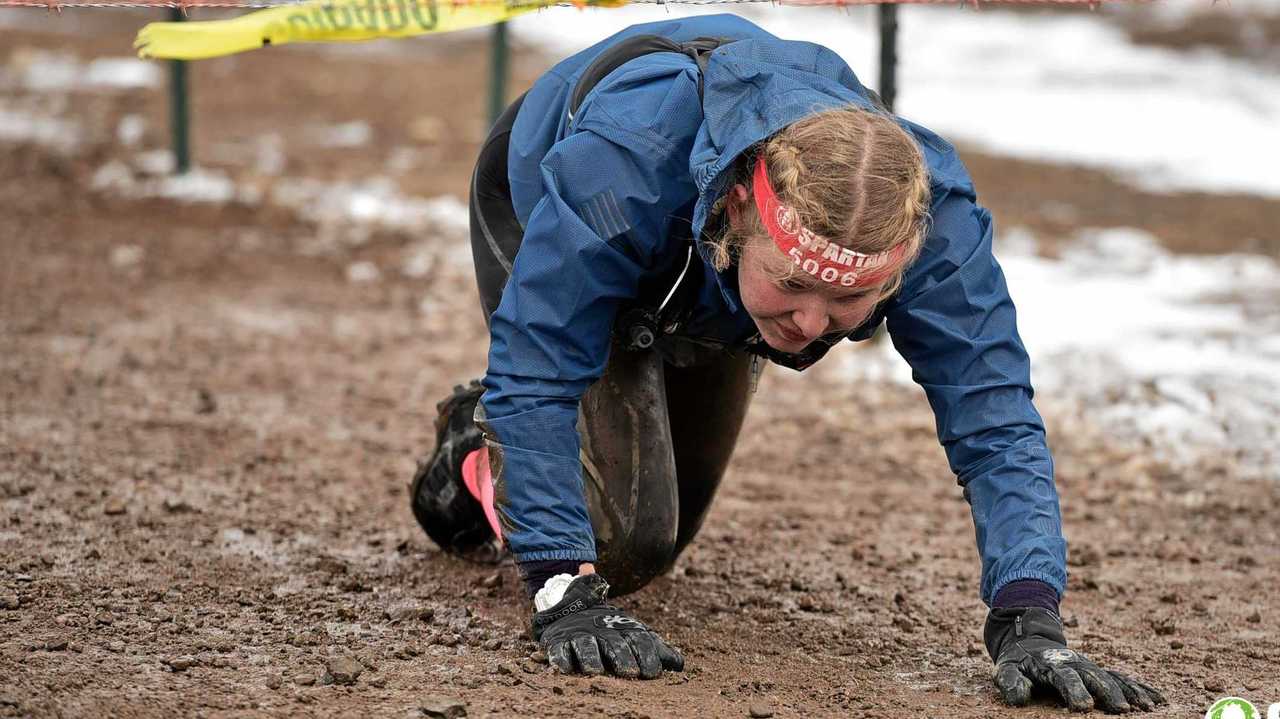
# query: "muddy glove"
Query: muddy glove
583,634
1030,650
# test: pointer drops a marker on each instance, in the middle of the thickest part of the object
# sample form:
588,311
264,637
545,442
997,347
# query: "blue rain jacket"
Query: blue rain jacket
600,196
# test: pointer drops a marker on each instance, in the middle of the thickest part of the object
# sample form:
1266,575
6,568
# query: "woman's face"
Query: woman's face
794,312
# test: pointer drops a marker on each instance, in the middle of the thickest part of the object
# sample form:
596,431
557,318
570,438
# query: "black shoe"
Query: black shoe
441,503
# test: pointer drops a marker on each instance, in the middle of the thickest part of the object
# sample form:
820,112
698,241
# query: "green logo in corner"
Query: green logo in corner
1232,708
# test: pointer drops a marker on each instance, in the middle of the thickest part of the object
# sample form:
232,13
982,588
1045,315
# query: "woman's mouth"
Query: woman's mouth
791,335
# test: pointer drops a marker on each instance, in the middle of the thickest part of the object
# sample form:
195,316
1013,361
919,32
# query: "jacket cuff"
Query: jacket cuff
540,555
1055,581
1026,593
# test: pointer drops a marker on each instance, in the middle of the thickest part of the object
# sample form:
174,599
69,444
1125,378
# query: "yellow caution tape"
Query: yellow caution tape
328,21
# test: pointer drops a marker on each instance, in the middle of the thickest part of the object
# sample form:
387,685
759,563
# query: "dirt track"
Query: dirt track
205,439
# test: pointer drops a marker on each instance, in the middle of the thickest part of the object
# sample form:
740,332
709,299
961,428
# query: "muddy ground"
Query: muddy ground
207,428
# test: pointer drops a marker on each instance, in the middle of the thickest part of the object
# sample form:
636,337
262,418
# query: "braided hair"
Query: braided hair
853,175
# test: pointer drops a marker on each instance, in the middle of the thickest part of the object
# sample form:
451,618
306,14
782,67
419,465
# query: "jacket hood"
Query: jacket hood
752,89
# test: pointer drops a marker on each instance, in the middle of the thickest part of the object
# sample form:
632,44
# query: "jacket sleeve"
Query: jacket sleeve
954,323
603,222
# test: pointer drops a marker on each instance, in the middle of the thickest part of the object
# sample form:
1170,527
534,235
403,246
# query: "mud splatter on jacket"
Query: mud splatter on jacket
603,196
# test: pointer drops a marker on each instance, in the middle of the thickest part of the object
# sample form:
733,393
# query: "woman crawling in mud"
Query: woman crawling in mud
653,220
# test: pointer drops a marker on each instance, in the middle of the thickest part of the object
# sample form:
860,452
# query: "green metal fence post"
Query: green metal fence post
179,115
888,13
498,61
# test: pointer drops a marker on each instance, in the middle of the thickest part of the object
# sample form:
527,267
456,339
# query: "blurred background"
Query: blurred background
215,382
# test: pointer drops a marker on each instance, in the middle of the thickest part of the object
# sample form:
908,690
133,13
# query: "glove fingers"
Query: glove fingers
1151,694
618,656
588,653
645,650
672,660
1071,689
1133,694
561,657
1105,689
1014,686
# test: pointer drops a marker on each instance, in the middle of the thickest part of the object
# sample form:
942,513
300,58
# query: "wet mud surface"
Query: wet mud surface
208,420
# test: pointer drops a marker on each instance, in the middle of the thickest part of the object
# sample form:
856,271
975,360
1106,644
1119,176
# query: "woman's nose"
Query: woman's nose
812,320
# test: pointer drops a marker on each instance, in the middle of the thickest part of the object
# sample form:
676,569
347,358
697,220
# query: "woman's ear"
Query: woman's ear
737,198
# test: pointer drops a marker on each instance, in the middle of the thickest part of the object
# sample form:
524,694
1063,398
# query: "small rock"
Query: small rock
598,686
114,507
205,402
1164,628
123,256
407,612
1254,618
1071,621
492,645
408,651
531,667
538,656
304,680
10,601
759,711
439,706
56,645
1199,607
274,681
1215,684
363,271
1176,644
379,682
174,505
344,669
493,581
181,664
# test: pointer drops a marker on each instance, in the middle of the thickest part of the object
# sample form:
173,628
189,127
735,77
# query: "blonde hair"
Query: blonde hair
853,175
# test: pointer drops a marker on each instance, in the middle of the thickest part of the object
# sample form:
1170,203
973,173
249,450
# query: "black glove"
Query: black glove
1030,650
583,634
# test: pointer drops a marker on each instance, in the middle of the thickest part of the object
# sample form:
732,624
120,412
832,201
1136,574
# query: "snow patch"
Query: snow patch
347,134
1179,351
48,71
63,136
1061,86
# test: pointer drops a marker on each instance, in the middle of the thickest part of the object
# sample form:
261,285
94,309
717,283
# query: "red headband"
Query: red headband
814,253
